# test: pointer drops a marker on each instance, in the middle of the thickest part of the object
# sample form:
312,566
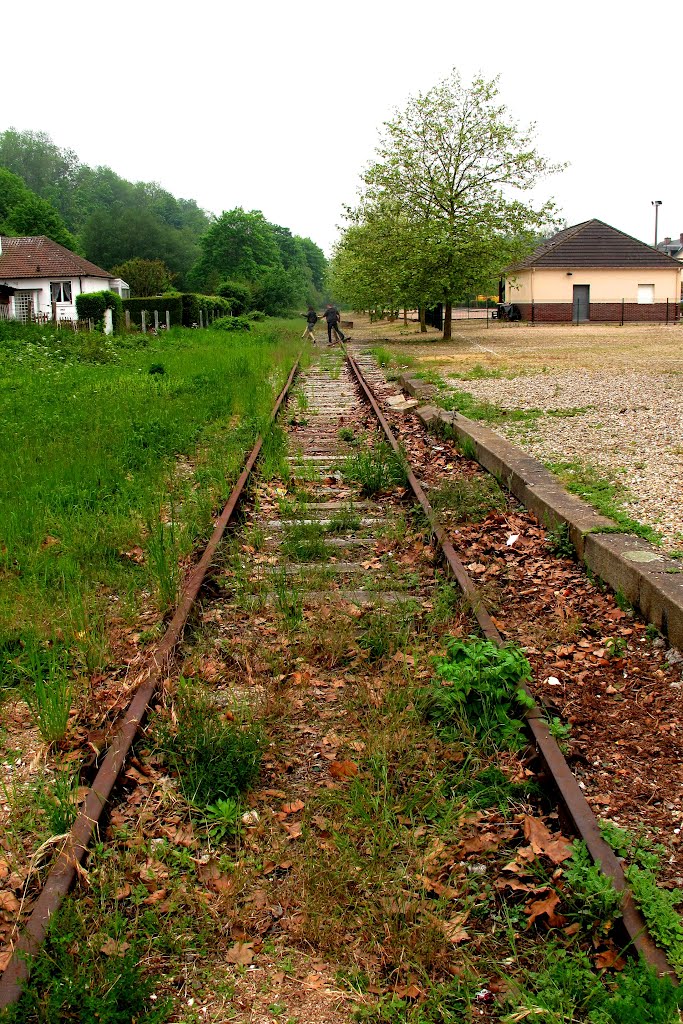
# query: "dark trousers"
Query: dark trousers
332,326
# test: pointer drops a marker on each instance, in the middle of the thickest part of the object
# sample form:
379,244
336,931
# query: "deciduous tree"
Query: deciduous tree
453,168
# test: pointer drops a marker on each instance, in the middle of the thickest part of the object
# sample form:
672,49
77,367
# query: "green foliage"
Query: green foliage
449,1003
606,496
92,306
658,907
74,981
22,212
469,499
48,690
437,218
589,896
231,323
184,308
386,630
636,849
565,989
258,264
489,787
238,294
477,685
375,469
114,219
559,541
215,759
144,277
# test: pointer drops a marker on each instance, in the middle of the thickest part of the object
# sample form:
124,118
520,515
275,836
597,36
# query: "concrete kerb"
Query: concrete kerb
647,578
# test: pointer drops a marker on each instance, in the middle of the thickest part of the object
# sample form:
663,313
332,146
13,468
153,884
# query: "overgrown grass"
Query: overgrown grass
606,496
94,455
469,499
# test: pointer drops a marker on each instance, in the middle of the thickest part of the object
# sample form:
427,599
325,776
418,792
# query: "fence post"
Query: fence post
533,312
201,318
487,313
667,311
91,325
168,319
156,320
622,313
127,319
143,321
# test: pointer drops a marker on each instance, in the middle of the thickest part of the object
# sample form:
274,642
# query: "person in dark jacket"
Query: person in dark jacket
311,321
333,316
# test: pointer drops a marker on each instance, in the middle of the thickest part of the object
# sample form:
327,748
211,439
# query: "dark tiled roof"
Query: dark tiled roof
41,257
594,244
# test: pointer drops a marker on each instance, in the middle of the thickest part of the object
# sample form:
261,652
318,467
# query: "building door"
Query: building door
23,306
581,311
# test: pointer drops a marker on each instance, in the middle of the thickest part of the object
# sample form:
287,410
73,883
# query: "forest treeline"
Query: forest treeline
139,231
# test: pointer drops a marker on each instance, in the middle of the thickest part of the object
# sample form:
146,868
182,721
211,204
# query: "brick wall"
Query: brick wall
601,312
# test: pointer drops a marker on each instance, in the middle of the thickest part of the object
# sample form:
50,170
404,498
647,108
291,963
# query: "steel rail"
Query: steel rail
575,803
62,874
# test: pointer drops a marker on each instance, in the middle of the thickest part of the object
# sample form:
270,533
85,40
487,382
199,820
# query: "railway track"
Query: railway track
335,554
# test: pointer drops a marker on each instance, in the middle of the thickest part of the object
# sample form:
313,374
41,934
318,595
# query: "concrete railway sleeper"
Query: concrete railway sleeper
327,611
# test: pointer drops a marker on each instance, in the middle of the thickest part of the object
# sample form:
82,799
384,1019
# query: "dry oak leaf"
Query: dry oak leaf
5,959
547,907
609,958
293,830
113,948
240,953
541,840
293,807
8,902
343,769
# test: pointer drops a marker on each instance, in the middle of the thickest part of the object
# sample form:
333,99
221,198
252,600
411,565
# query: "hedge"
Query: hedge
184,307
91,306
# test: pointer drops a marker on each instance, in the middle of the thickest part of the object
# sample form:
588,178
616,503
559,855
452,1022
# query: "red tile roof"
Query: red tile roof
41,257
595,244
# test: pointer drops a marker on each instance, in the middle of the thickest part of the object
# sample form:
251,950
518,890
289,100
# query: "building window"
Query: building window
646,293
60,291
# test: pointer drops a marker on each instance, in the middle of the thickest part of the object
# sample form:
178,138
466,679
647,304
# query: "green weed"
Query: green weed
477,685
214,759
74,980
375,469
468,500
48,690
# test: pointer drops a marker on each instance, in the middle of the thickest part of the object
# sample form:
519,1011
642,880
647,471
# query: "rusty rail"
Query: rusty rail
575,803
63,872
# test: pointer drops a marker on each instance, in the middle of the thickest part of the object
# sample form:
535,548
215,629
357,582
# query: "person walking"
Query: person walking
333,316
311,321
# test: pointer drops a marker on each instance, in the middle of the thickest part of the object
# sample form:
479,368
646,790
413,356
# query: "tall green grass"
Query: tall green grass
100,452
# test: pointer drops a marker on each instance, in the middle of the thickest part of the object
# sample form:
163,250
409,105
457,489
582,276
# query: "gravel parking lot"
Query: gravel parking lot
626,384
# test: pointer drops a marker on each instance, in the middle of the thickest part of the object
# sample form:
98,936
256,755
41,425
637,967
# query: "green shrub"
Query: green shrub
238,294
92,306
184,307
478,685
231,323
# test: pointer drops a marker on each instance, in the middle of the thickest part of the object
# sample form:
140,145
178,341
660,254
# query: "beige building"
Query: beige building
593,272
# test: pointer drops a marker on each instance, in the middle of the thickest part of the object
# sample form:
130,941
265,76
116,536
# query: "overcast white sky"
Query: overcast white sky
277,106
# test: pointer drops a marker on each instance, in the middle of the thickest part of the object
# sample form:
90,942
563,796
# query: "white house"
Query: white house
40,279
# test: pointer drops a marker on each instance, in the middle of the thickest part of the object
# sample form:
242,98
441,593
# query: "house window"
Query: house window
646,293
60,291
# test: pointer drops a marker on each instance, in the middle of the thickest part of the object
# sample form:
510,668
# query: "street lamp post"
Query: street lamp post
656,203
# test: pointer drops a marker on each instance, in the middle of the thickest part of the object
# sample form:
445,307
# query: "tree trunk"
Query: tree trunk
447,320
405,317
423,321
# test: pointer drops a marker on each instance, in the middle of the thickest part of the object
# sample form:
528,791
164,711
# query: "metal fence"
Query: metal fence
617,311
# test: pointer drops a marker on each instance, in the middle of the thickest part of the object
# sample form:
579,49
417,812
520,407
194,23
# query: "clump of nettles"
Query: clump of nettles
477,689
